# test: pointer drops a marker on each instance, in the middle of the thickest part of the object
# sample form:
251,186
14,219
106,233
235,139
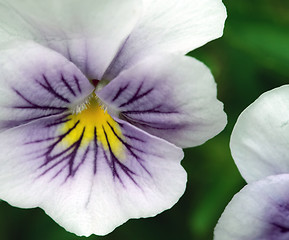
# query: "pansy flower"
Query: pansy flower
96,102
260,148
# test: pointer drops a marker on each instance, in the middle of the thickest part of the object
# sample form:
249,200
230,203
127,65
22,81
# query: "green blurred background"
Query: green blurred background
251,58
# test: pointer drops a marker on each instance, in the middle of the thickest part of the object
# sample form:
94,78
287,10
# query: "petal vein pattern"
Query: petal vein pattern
169,96
87,181
62,151
68,151
37,87
92,151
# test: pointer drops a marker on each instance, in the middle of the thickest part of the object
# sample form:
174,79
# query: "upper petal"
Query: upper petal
89,32
260,139
176,26
170,96
81,181
36,82
260,211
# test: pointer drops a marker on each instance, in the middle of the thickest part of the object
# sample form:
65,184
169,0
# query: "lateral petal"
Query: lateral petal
169,96
37,82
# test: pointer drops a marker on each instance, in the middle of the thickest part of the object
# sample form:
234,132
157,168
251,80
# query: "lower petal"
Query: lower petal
89,187
260,211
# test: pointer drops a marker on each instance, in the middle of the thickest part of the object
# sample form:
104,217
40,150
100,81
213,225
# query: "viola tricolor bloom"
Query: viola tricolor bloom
259,146
96,101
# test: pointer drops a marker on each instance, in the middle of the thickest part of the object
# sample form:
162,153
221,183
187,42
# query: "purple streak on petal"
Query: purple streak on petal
281,228
61,157
156,125
108,162
15,123
130,149
279,223
57,174
40,141
42,107
72,155
95,145
153,125
145,106
59,121
52,146
77,84
150,111
53,166
119,92
136,96
66,161
176,98
133,138
51,90
72,170
36,106
83,158
67,85
116,162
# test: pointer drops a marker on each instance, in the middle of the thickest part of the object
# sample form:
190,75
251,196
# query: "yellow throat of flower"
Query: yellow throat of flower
93,123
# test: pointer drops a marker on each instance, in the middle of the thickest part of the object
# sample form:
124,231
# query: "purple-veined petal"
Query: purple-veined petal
260,139
260,211
174,26
36,82
89,33
84,186
169,96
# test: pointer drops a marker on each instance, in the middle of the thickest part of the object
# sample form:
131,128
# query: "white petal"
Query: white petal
176,26
36,82
83,186
260,139
89,33
260,211
169,96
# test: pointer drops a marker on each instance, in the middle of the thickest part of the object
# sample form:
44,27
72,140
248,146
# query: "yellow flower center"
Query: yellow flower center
93,123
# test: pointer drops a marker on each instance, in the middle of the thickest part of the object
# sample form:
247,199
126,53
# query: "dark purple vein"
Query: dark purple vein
36,106
60,138
136,96
77,84
129,148
51,90
58,122
67,85
95,151
120,91
115,161
154,125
